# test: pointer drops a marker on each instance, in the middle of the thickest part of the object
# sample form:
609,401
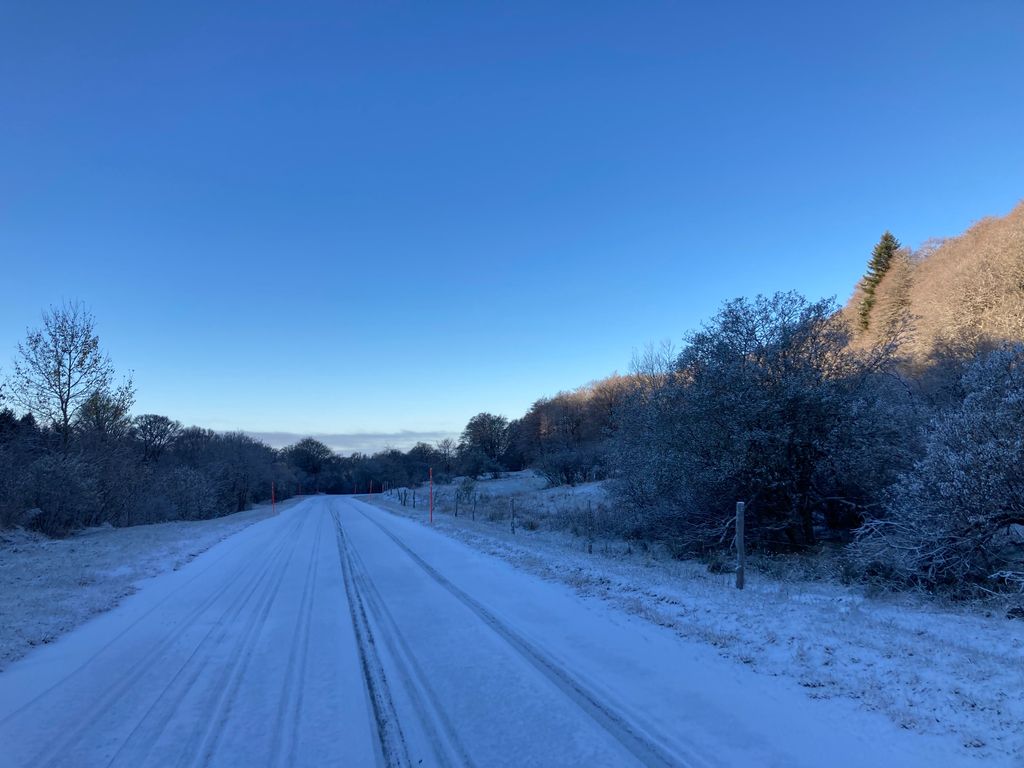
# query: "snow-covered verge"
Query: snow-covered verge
50,586
930,668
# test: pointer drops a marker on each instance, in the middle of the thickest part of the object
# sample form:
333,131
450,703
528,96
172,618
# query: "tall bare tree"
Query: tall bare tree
60,366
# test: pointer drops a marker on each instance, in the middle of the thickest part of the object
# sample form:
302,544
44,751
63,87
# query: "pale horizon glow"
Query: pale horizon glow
364,442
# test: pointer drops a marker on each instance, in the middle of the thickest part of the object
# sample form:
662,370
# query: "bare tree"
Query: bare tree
968,291
155,433
310,456
655,363
447,450
488,434
60,366
106,416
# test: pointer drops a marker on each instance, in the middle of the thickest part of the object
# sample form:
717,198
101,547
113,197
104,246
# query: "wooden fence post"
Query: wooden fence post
741,550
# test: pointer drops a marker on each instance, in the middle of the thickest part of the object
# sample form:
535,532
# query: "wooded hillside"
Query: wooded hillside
950,298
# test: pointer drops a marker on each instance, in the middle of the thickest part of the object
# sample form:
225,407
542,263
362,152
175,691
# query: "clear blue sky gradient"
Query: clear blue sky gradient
370,217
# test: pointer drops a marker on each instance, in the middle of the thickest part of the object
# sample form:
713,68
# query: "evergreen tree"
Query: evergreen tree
881,260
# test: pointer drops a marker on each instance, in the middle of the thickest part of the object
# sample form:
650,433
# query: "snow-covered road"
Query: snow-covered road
338,634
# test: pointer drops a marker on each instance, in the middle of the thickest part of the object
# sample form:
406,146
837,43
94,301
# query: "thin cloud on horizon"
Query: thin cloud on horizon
356,442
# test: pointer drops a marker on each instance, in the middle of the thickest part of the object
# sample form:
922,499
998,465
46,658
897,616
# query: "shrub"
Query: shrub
572,466
63,491
951,523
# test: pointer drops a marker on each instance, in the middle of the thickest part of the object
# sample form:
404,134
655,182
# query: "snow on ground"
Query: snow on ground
338,633
477,631
50,586
951,674
243,656
930,669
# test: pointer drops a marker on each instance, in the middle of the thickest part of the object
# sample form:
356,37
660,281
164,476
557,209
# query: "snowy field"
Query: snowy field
50,586
929,669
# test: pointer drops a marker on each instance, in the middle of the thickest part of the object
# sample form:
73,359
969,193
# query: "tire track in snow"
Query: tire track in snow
282,749
136,748
604,715
105,703
431,715
107,646
205,746
394,751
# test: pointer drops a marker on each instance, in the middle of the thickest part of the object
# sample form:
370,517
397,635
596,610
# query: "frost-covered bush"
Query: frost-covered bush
766,404
176,493
192,493
474,463
952,523
573,465
63,491
466,489
591,520
9,511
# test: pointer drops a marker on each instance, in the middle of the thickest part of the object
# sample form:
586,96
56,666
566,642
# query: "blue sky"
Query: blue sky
374,217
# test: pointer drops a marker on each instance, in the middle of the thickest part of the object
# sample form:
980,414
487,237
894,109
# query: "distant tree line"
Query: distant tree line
73,455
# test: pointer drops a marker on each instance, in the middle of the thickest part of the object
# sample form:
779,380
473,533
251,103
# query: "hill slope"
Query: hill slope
952,297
